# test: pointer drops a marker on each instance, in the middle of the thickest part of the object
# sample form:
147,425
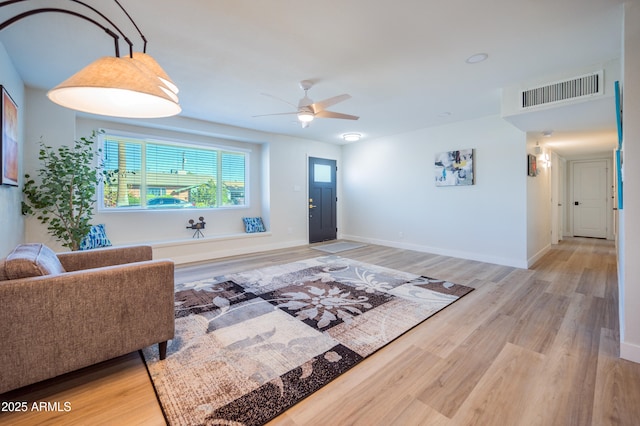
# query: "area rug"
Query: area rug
250,345
338,247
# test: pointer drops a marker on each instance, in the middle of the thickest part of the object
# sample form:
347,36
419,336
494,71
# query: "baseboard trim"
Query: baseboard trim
538,256
630,352
213,249
443,252
206,240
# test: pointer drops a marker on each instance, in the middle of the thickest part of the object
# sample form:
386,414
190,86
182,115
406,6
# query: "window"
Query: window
322,173
153,174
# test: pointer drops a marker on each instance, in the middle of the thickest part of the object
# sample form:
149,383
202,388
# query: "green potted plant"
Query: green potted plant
64,196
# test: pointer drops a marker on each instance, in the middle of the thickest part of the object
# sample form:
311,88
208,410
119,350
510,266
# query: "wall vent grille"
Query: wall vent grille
578,87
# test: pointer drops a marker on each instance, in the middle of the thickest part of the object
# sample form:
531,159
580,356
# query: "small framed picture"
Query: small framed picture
9,152
533,165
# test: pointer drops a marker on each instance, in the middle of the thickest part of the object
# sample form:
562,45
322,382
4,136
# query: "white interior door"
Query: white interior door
590,199
562,198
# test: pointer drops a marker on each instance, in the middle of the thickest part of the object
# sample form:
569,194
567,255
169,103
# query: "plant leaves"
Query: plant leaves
64,193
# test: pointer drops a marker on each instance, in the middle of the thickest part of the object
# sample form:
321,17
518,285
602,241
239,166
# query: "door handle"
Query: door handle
311,206
576,203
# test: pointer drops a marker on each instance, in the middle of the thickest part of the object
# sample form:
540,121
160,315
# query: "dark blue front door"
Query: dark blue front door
322,200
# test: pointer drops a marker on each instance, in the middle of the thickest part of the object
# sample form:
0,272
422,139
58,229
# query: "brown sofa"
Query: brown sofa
75,309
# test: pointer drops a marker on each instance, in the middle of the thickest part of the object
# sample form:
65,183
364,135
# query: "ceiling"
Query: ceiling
402,62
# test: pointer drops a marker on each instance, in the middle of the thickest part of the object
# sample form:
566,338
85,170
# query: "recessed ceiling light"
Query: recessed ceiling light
478,57
547,133
351,137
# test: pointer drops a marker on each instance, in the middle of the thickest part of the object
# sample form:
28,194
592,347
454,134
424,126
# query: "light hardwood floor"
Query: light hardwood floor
527,347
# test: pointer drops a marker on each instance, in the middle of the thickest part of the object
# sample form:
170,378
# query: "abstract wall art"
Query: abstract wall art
619,151
454,168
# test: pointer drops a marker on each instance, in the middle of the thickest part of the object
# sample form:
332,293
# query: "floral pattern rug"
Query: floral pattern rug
250,345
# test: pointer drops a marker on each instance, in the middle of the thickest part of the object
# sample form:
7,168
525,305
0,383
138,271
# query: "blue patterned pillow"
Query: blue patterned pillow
95,238
253,224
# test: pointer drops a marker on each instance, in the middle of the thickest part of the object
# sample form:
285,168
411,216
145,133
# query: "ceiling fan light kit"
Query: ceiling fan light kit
131,87
307,110
305,115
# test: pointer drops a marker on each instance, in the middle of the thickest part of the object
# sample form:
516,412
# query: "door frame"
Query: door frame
338,192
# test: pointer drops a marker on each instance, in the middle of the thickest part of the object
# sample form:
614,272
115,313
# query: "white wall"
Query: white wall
12,222
391,197
629,282
278,185
538,204
53,125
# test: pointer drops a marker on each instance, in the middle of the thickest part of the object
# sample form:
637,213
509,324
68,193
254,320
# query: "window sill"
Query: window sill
204,240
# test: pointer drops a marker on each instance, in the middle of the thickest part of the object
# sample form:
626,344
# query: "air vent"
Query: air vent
561,91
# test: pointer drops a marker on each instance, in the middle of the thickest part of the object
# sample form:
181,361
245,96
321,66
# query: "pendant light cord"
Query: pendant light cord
69,12
108,31
126,39
144,39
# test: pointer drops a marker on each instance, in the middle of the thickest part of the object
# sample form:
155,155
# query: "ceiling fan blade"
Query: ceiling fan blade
277,113
280,99
331,114
319,106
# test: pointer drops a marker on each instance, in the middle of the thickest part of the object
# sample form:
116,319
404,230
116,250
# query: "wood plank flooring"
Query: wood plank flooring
527,347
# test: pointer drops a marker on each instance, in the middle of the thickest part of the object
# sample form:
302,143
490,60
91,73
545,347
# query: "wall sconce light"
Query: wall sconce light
132,87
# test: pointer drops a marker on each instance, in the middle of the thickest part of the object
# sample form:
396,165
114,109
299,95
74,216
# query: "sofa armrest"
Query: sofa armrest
51,325
108,256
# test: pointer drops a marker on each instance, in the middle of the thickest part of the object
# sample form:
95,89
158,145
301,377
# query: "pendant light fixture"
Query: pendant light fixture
115,87
157,71
131,87
148,61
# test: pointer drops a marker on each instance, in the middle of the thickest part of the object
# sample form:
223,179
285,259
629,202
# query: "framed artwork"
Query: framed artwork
618,95
619,172
9,153
454,168
532,169
619,151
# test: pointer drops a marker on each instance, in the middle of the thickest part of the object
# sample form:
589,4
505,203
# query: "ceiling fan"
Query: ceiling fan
307,110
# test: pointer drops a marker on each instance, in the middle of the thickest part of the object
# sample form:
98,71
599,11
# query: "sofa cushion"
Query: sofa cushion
30,260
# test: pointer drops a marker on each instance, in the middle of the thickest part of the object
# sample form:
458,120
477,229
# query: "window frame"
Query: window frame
145,139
